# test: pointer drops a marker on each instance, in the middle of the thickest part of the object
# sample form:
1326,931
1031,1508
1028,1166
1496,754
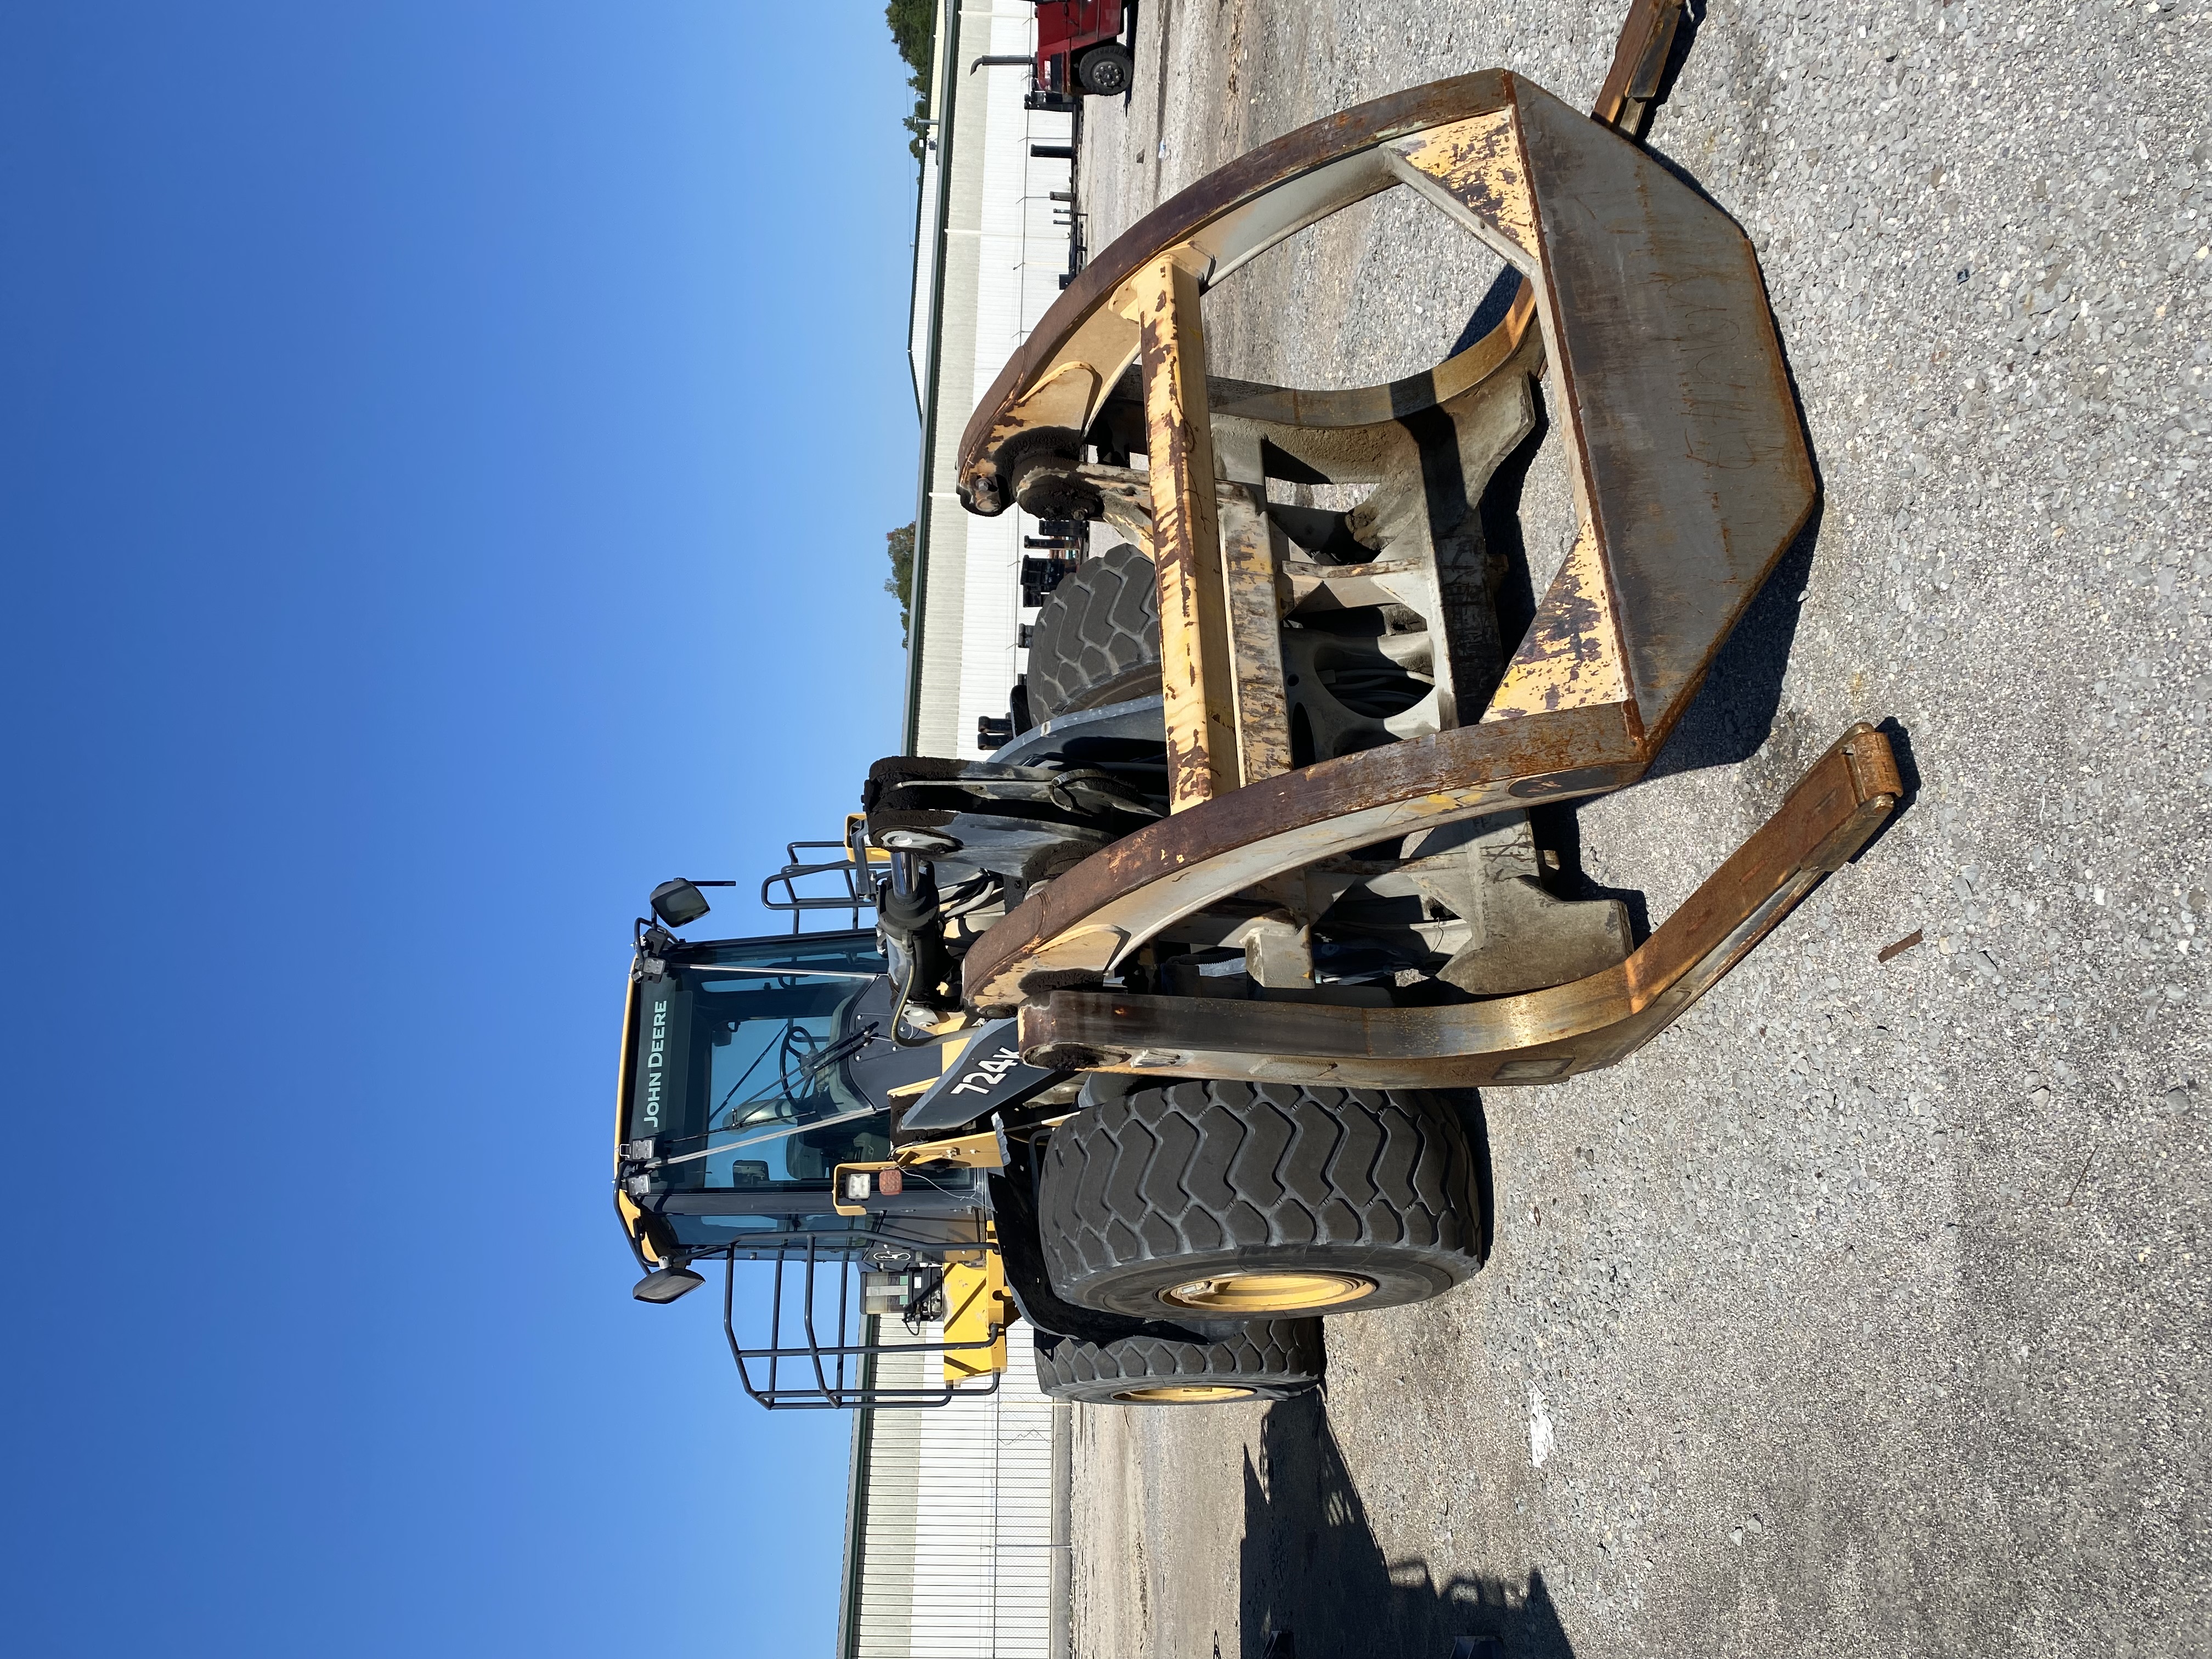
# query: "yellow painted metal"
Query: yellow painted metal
946,1054
1527,1037
856,840
1639,64
1252,605
1690,476
630,1001
970,1151
1478,166
1197,672
1127,499
1252,1294
1571,657
632,1220
977,1307
1185,1394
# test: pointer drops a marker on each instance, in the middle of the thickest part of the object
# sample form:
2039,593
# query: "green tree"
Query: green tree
914,31
901,582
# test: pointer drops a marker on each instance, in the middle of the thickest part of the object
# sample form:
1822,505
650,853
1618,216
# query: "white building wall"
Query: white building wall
998,257
953,1550
952,1545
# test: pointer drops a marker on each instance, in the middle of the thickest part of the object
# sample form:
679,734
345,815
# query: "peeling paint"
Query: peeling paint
1571,658
1196,668
1481,163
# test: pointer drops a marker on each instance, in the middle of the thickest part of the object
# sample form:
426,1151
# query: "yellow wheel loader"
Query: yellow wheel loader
1166,1034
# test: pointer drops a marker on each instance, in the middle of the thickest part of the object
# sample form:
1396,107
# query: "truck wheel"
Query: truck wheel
1269,1359
1105,70
1097,638
1229,1200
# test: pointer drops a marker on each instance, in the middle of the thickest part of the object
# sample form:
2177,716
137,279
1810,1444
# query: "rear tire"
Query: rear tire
1268,1359
1105,70
1097,636
1237,1200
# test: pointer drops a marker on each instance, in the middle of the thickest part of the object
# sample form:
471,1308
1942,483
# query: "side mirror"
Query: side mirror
678,902
667,1285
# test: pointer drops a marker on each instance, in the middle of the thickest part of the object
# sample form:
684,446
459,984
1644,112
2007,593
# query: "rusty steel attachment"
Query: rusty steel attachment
1312,765
1537,1037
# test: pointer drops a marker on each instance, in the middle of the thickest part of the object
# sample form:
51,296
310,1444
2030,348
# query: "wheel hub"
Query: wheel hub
1184,1393
1248,1294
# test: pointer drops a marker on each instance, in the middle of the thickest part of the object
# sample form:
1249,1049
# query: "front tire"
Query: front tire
1269,1359
1253,1202
1105,71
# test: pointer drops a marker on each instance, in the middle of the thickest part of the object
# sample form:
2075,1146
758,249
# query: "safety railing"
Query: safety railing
843,1375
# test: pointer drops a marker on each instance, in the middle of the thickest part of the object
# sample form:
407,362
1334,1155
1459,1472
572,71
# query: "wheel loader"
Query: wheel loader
1166,1036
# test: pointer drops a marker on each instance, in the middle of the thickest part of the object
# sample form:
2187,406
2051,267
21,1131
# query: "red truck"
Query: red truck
1079,48
1079,52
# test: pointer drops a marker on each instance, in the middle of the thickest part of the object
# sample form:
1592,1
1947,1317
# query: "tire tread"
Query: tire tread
1275,1356
1190,1168
1097,636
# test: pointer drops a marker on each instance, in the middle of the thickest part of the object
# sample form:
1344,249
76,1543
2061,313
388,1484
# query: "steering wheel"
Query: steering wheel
796,1053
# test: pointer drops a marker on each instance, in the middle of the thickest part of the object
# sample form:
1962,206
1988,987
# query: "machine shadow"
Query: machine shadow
1729,719
1733,713
1317,1584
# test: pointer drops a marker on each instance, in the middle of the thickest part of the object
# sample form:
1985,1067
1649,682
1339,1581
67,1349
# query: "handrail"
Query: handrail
832,1390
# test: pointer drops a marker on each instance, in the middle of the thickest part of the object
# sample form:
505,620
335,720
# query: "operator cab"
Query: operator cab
751,1068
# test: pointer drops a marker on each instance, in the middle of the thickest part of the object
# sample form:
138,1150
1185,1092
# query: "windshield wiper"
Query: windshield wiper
776,1134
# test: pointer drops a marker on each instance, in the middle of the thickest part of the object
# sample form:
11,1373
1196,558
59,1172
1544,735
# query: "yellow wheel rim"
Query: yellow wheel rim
1267,1293
1184,1393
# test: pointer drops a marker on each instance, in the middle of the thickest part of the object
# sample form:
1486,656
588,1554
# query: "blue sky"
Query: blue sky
448,450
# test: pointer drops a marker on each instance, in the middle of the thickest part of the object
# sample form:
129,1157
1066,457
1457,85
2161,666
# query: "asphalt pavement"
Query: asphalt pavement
1866,1310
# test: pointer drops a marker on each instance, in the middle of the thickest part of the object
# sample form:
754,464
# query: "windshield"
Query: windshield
737,1075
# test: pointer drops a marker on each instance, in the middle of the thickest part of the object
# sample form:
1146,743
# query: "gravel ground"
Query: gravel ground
1866,1309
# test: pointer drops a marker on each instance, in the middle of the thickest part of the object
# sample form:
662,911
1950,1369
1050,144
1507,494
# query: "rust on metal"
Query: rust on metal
1639,61
1874,766
1226,218
1570,657
1537,1037
1129,890
1255,616
1697,474
1900,947
1691,477
1126,501
1329,412
1479,165
1197,672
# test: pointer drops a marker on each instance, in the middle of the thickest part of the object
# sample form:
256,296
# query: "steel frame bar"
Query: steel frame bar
1537,1037
1131,889
1639,63
1198,680
1691,476
1253,614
